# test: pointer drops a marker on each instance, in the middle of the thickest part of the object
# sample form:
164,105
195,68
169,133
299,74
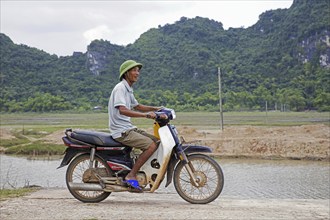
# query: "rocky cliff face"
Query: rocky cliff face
316,47
102,56
95,62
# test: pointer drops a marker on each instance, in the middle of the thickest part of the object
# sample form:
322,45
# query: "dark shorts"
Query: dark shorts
137,138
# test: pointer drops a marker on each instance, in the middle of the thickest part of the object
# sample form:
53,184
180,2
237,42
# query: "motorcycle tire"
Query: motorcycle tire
207,172
75,174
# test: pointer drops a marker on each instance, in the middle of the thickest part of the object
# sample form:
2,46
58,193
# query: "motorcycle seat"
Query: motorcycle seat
95,138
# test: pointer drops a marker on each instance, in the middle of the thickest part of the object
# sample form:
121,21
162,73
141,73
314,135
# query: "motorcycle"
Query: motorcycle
97,165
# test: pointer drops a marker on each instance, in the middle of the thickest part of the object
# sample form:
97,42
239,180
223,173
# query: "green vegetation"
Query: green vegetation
277,61
10,193
18,140
36,148
99,121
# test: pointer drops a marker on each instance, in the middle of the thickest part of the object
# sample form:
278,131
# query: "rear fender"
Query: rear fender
188,149
71,153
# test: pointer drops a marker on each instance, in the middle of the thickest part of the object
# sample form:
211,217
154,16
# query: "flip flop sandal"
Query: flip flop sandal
134,184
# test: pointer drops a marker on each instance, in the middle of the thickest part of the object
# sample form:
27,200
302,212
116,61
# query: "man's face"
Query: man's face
133,74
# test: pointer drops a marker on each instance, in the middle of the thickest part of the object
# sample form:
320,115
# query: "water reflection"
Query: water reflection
243,178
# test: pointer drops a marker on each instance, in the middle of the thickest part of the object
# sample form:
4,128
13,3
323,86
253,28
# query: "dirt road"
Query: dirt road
59,204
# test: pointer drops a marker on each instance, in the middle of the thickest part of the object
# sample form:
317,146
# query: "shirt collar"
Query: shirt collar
128,87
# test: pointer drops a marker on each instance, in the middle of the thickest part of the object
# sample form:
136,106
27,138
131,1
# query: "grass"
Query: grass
27,128
211,120
11,193
56,121
37,148
14,142
253,118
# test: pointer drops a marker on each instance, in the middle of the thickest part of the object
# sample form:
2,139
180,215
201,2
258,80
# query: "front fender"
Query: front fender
188,149
196,148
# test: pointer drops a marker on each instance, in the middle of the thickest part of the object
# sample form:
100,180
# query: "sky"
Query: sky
62,27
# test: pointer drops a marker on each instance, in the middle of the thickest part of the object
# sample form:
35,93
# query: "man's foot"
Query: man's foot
134,184
130,177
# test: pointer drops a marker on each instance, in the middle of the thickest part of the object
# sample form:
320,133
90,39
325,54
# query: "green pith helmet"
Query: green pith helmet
127,65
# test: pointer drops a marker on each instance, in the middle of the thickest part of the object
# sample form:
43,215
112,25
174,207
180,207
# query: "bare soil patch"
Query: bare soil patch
55,137
295,142
6,134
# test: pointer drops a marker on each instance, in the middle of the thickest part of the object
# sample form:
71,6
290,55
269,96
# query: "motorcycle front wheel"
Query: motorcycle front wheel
77,172
208,174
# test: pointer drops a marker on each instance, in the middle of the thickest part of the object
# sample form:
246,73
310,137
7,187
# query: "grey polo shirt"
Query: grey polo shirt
122,95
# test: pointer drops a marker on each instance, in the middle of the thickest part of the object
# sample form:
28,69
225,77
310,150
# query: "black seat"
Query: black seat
95,138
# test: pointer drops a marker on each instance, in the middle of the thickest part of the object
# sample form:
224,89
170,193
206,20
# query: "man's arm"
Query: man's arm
140,113
145,108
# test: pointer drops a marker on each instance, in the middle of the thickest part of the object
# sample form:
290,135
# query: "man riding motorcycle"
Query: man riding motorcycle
122,106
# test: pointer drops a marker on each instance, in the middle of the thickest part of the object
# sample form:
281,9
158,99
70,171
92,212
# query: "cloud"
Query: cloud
99,32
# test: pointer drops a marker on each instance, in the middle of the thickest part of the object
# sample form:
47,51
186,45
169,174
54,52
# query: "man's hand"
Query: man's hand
151,115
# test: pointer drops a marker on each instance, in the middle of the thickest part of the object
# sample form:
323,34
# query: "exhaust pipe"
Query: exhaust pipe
85,186
96,187
114,188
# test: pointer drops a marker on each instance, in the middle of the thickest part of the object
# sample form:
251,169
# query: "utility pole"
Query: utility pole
220,99
266,112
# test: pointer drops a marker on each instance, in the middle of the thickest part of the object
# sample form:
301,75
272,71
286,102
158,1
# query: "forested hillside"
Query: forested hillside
284,60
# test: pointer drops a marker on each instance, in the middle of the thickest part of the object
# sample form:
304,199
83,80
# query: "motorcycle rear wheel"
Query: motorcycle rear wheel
209,175
75,173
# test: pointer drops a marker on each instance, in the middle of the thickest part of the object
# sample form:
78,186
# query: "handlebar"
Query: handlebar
168,113
160,115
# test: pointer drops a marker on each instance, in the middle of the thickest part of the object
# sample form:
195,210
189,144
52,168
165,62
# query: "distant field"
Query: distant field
40,134
55,121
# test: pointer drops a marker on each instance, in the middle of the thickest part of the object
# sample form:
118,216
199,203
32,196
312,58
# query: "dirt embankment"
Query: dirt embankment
291,142
294,142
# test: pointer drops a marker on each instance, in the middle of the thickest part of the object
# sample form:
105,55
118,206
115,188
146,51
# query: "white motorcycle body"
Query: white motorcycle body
162,155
